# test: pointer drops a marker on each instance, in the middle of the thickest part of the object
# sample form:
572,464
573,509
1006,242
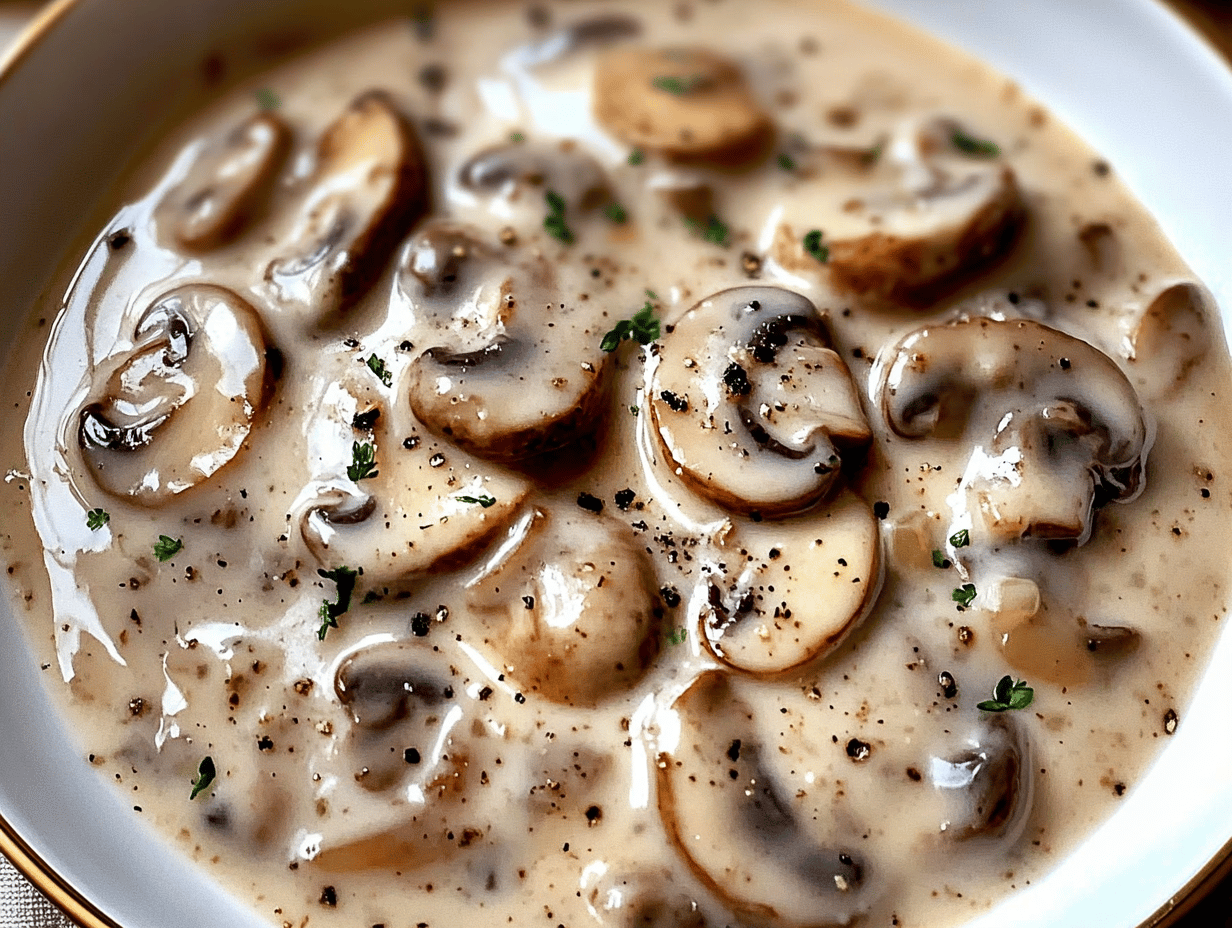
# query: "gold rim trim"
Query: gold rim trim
68,900
85,914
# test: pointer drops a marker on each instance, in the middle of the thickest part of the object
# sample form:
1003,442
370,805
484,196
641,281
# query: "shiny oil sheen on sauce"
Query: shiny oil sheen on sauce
913,397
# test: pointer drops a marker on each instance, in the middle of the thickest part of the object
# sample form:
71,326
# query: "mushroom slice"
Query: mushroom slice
211,205
638,897
945,206
427,505
584,35
568,602
1171,337
752,405
520,173
688,103
1063,427
369,185
180,406
759,847
803,585
524,374
986,787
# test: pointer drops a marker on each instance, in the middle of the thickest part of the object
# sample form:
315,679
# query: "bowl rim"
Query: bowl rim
84,913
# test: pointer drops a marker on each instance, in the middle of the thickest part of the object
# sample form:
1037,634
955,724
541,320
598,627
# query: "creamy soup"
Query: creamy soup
628,464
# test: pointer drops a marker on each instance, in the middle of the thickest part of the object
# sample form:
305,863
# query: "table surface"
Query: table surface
22,906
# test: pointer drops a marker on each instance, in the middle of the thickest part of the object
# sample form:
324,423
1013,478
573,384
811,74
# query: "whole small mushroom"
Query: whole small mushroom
752,406
986,787
1065,432
169,414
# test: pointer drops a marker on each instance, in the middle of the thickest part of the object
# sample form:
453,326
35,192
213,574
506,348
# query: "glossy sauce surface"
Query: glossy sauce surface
605,663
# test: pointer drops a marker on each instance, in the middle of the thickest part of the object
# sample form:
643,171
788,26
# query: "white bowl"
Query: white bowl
95,80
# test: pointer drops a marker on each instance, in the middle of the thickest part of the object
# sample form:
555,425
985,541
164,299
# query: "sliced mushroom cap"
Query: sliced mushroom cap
639,897
763,850
803,585
180,406
369,185
427,506
568,603
519,373
520,173
583,35
688,103
1064,429
1171,337
986,786
752,406
945,206
224,184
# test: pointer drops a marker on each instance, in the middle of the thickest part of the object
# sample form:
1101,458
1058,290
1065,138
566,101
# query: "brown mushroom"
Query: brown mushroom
520,174
519,373
803,585
425,506
986,787
1170,338
939,207
224,184
758,847
568,603
639,897
1065,432
368,186
687,103
180,405
752,406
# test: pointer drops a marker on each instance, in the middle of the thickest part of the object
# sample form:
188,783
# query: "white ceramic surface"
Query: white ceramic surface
1126,74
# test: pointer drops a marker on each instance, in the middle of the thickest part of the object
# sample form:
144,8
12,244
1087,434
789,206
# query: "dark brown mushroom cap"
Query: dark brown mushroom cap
640,897
582,35
568,603
760,848
687,103
803,585
1058,413
516,372
987,786
180,405
521,173
224,184
751,405
368,187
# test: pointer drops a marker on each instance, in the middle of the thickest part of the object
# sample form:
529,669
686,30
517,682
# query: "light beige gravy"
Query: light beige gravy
732,698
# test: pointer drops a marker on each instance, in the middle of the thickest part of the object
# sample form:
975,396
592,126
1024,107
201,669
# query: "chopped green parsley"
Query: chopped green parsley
554,222
267,99
636,157
813,245
964,595
643,327
485,501
961,538
970,145
167,547
97,518
344,577
787,162
616,213
205,776
363,462
1008,694
714,230
679,86
377,366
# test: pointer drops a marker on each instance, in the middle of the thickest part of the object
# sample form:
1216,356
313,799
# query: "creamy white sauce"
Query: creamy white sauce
551,690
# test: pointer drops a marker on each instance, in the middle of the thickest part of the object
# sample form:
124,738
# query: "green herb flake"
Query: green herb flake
167,547
964,595
344,577
715,230
635,410
940,560
485,501
363,462
205,776
787,162
377,366
961,538
636,157
516,137
97,518
679,86
677,636
813,245
267,99
643,327
976,148
554,222
616,213
1008,694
